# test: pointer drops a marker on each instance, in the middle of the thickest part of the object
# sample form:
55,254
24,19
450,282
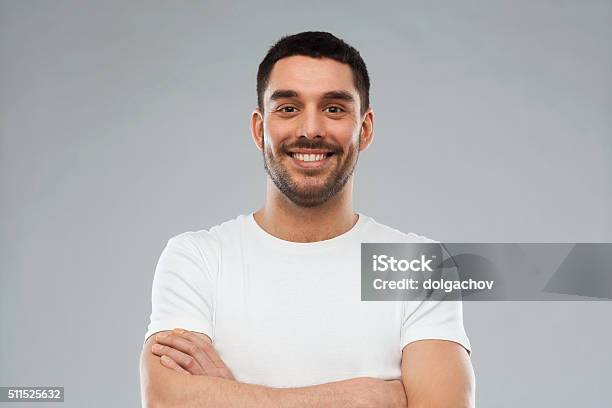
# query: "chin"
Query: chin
310,189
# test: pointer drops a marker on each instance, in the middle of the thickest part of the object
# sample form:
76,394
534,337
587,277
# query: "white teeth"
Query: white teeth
308,157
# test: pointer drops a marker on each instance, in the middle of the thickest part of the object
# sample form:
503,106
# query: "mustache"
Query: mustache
313,144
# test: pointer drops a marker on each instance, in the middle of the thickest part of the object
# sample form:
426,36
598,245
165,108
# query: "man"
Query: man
268,304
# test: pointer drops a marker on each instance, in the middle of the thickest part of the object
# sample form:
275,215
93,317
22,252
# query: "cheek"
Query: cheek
276,133
344,132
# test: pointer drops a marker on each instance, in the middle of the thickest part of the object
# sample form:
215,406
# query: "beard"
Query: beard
310,188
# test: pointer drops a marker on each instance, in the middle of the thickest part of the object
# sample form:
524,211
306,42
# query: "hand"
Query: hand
189,353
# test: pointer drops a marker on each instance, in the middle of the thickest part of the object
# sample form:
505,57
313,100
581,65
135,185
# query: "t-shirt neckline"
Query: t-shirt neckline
279,243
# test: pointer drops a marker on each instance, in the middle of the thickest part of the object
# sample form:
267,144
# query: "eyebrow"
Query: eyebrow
288,93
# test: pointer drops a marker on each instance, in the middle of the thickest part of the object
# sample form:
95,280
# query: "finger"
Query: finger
190,348
222,370
226,373
170,363
186,361
205,345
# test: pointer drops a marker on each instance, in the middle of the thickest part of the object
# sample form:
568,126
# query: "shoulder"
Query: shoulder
207,242
378,232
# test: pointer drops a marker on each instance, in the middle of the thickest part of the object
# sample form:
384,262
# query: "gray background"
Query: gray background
125,123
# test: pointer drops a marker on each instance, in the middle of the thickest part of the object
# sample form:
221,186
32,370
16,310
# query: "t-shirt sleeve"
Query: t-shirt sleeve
437,317
433,319
183,289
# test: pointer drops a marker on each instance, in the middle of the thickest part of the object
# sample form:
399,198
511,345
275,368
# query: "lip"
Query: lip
319,164
309,151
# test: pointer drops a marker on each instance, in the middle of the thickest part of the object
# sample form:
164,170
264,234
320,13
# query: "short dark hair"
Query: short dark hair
316,44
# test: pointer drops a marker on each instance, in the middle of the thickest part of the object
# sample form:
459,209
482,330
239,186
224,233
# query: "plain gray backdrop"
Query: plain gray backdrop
125,123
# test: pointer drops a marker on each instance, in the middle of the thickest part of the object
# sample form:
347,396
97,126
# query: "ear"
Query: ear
367,129
257,130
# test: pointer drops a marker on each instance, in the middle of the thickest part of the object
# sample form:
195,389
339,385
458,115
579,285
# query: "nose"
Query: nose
312,125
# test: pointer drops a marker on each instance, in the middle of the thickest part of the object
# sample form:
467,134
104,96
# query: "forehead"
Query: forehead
310,76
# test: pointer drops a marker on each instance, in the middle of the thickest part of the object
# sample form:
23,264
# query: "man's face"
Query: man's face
311,128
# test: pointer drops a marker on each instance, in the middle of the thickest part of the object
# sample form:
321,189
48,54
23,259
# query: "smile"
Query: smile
310,160
310,157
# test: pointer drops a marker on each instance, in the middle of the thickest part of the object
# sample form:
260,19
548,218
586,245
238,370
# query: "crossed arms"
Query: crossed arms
184,370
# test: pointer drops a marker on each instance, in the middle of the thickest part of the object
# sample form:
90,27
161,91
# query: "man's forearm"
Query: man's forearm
163,386
205,391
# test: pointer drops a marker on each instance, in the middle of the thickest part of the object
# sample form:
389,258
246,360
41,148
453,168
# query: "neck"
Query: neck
285,220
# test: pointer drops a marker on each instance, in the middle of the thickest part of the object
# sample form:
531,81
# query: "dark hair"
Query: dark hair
316,44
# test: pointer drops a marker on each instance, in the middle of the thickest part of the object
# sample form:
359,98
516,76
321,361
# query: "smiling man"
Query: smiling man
268,304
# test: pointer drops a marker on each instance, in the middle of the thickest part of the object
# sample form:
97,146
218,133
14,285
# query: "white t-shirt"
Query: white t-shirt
287,314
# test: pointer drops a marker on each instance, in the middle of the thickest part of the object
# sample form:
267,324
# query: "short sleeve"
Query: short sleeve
433,319
183,289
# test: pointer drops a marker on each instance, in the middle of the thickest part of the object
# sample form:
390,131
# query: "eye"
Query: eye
334,109
287,109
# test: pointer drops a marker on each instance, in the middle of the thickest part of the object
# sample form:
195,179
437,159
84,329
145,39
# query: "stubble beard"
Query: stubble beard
305,194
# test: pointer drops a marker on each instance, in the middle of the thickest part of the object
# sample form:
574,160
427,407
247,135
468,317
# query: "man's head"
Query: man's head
313,115
315,44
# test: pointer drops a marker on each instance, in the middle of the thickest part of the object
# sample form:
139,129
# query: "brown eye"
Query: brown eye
287,109
334,109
